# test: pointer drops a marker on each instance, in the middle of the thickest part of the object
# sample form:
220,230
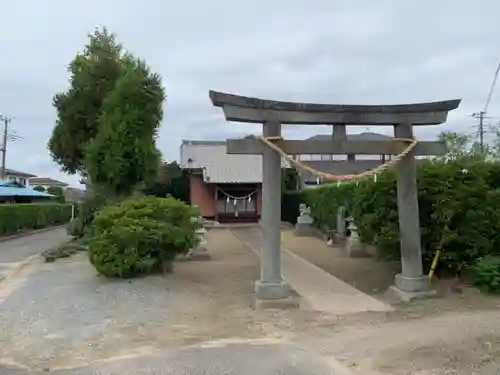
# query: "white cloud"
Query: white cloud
364,52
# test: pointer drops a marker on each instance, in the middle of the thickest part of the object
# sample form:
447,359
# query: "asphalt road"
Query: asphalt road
18,249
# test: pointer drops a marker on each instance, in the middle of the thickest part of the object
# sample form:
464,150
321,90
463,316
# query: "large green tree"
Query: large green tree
170,180
108,119
123,156
93,74
168,171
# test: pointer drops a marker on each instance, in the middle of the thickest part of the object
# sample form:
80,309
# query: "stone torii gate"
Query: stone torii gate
272,114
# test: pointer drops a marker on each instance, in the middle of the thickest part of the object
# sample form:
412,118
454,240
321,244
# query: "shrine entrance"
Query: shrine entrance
237,203
272,114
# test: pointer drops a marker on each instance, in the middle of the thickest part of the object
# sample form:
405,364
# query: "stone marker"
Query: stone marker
340,233
304,221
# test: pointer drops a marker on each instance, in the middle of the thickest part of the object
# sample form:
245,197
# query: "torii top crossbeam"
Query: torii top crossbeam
248,109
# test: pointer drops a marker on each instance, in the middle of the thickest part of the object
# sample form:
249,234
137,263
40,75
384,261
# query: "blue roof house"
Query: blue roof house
13,192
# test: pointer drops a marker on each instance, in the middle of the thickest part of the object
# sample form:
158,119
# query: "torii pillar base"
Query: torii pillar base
274,296
421,287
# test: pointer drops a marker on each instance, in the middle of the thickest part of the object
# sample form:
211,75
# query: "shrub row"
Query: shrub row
28,216
459,205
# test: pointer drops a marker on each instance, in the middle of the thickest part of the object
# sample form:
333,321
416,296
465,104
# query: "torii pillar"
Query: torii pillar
272,114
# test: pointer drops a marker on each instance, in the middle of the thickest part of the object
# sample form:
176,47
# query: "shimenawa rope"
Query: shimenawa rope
331,177
237,198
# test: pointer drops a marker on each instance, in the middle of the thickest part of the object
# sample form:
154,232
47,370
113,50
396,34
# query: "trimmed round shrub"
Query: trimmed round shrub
141,235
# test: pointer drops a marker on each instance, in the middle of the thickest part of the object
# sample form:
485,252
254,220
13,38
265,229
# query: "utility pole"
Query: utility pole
480,131
4,143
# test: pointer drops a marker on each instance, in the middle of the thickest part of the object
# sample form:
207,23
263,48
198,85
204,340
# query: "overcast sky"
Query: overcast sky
330,51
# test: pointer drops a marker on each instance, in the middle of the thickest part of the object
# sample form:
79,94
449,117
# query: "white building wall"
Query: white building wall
21,180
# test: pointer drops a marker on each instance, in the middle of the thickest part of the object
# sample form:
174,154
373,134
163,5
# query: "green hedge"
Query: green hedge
28,216
463,195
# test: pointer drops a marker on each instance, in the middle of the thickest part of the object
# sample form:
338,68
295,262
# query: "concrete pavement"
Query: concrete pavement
322,291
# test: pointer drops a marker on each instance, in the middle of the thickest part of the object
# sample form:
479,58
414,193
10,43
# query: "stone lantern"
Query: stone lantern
200,251
354,247
304,221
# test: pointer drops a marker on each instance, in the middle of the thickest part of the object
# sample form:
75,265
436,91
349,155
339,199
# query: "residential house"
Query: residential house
341,164
28,180
46,182
14,192
225,187
16,176
70,194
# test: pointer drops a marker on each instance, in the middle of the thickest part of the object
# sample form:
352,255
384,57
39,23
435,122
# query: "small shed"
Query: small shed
13,192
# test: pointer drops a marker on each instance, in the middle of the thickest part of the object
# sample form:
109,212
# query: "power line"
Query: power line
14,137
490,93
481,114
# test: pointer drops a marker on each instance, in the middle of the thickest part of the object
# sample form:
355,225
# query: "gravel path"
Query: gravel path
199,321
62,315
238,358
214,359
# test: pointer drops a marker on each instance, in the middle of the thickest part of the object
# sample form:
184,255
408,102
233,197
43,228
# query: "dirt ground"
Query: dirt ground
212,300
374,277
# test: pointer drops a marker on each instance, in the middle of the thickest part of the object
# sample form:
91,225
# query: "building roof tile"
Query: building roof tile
218,166
46,181
9,191
13,172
